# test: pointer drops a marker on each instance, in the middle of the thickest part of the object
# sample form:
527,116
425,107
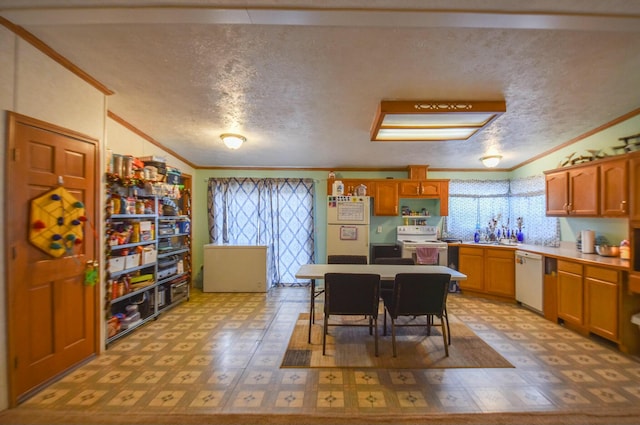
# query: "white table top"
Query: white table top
386,271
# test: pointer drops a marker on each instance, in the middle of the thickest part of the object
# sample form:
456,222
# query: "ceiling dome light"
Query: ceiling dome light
491,161
233,141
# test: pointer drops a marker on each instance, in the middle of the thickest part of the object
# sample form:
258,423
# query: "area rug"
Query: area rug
353,347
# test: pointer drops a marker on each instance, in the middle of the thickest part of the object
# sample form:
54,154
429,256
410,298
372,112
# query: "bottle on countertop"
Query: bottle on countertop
625,250
476,235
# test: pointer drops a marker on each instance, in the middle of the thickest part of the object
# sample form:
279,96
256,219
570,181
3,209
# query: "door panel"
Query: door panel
52,314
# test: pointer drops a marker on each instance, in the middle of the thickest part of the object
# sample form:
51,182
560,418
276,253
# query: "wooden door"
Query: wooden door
557,188
614,188
583,191
52,315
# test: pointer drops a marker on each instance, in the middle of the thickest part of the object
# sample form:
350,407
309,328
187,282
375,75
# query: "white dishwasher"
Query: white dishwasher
529,280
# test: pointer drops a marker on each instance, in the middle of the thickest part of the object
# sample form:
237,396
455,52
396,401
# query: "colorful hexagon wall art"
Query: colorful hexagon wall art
56,222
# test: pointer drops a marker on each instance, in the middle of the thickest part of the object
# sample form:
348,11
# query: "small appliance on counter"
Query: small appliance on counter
588,242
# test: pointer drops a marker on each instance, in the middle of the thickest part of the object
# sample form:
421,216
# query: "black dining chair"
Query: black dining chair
346,259
350,294
417,294
338,259
387,285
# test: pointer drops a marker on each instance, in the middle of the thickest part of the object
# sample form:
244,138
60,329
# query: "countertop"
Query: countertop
566,250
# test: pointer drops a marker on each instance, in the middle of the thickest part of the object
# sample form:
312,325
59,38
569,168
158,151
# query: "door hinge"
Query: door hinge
15,363
16,154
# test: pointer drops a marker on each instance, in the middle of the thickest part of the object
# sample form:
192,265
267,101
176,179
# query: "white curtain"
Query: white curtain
277,213
476,203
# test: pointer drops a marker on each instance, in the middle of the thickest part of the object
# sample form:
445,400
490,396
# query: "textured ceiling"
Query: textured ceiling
302,80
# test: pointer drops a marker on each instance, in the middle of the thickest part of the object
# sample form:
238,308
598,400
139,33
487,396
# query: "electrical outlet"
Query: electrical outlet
379,229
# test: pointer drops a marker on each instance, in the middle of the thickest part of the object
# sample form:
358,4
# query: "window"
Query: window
277,213
474,203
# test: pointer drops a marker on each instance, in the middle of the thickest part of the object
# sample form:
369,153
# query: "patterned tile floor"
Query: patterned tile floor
221,353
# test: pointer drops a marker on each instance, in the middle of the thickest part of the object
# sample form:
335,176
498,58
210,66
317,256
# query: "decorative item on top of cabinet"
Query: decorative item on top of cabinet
351,187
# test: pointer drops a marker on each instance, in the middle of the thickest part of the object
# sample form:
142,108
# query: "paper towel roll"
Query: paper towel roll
588,241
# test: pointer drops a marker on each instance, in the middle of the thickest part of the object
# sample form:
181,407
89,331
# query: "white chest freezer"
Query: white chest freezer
235,268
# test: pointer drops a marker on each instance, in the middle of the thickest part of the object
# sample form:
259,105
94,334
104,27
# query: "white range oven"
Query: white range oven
411,237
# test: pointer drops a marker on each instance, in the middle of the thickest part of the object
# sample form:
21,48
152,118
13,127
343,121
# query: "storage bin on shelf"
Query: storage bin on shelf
131,261
149,255
116,264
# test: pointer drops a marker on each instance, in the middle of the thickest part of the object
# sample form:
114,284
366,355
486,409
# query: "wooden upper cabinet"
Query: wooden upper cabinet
418,172
385,198
583,191
409,188
557,189
420,189
443,194
614,188
573,192
634,187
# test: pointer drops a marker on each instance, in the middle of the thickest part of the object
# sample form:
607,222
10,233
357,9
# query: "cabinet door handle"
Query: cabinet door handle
417,190
396,209
623,205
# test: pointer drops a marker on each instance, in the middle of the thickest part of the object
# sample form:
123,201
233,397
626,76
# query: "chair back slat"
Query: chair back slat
394,260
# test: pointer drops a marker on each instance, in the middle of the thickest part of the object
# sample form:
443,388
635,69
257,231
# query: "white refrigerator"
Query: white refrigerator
348,225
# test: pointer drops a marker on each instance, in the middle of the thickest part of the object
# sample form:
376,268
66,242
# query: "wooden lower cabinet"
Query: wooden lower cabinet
603,301
589,297
489,270
570,293
471,263
500,272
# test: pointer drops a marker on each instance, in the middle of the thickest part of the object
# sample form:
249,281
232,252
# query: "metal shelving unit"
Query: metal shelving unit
127,306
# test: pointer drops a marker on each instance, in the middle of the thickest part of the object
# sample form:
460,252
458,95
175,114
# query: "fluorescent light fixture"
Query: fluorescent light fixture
233,141
431,121
491,161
